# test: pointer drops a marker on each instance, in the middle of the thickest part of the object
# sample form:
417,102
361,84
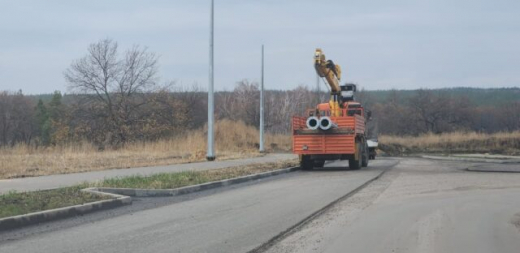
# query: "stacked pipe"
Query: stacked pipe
313,123
324,123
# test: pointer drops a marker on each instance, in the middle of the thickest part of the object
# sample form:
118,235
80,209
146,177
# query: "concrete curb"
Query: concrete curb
122,196
463,159
193,188
495,168
64,212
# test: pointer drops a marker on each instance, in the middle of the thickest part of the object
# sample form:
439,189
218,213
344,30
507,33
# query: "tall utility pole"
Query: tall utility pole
262,104
211,118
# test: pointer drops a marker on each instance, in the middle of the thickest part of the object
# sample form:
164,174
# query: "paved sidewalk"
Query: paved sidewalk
54,181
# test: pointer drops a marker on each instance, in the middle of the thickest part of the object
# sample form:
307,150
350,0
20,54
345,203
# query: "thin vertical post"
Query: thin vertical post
262,104
318,89
210,156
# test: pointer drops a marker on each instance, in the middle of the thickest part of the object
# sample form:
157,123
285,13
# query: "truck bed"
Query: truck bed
340,140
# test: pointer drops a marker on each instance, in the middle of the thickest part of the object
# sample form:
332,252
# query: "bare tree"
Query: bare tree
509,116
16,118
119,84
282,105
429,109
242,103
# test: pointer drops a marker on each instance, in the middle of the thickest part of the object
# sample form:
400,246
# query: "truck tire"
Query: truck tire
354,164
306,163
365,158
372,153
319,163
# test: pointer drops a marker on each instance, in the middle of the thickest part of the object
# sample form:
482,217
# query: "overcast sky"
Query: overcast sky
380,44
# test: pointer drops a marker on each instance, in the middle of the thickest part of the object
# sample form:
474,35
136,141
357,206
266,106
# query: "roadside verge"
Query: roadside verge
64,212
190,189
122,196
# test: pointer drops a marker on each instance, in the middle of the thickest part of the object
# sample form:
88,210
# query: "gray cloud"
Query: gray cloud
380,44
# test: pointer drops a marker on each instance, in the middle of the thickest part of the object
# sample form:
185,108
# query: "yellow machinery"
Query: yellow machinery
333,130
332,73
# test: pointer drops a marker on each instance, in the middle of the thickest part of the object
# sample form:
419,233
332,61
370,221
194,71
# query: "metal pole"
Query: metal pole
210,153
318,91
262,104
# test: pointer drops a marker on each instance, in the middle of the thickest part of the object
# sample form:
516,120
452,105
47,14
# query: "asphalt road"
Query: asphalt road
55,181
420,206
236,220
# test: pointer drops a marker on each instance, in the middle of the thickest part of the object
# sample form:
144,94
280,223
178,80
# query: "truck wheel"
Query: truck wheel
365,155
306,163
319,163
354,164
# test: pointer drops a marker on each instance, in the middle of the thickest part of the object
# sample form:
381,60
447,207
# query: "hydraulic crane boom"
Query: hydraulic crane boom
332,73
329,70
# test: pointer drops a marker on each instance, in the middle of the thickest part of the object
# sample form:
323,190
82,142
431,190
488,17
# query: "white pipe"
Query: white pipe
326,123
313,123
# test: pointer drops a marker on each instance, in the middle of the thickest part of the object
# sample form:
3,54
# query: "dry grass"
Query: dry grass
232,139
457,142
186,178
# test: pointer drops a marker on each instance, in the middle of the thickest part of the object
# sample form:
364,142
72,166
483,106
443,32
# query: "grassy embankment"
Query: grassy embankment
233,140
452,143
27,202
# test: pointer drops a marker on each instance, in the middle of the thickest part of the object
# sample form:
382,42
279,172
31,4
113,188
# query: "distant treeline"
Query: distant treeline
477,96
413,112
54,119
112,121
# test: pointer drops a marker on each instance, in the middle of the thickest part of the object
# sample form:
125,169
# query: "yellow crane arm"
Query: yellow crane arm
332,73
329,70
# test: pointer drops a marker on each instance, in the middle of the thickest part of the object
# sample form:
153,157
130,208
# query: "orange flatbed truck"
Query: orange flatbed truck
335,130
